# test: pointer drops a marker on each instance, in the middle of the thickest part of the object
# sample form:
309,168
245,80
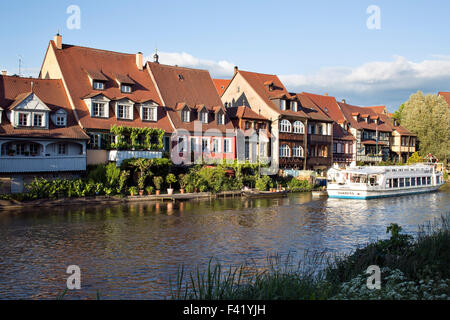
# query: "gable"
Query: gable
31,103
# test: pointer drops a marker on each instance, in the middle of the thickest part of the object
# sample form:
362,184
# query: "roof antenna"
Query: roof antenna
20,65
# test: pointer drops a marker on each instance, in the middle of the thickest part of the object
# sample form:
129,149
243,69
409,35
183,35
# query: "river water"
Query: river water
131,251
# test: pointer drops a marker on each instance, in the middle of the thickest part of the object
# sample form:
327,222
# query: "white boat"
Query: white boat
371,182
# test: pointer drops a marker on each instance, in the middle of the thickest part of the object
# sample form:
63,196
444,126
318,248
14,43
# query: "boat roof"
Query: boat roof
381,169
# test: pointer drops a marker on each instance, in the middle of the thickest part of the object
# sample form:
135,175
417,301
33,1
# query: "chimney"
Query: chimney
58,41
326,94
140,61
4,72
236,69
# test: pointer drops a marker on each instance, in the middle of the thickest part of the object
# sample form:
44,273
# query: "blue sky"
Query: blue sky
316,46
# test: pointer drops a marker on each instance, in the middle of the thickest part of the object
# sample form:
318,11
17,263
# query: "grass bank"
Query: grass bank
416,268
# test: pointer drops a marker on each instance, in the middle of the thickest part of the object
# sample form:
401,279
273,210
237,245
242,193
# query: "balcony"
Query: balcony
23,164
318,138
120,155
319,161
291,162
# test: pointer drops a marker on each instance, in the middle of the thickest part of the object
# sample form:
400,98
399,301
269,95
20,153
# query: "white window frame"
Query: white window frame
100,104
42,120
285,126
294,106
152,113
27,119
299,127
98,85
186,115
125,88
216,147
285,151
282,104
298,152
221,118
208,145
194,144
128,114
227,145
204,116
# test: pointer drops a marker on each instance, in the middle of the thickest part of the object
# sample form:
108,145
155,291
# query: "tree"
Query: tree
398,114
414,158
428,116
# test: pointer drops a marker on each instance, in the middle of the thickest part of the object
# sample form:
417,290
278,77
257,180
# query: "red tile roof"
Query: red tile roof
221,85
379,109
74,62
327,104
400,129
13,90
244,112
446,96
349,110
180,86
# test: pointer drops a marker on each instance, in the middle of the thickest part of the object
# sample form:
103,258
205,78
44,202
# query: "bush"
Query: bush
297,185
263,183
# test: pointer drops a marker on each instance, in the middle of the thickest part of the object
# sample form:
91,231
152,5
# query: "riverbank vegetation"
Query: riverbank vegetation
136,176
410,269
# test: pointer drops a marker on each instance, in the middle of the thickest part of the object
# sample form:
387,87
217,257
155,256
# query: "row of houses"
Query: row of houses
92,106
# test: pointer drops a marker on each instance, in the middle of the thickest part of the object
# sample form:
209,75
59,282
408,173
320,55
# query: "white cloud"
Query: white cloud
380,82
217,69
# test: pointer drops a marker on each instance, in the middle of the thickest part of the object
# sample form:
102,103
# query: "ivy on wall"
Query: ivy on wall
139,138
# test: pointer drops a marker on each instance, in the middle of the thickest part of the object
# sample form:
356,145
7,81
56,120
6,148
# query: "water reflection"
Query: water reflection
131,251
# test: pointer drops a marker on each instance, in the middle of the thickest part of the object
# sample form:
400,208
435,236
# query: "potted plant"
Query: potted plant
149,190
133,191
170,179
157,181
182,181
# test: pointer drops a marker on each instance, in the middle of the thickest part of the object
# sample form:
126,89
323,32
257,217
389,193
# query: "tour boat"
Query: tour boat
371,182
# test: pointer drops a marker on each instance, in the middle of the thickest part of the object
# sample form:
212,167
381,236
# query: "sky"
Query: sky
367,52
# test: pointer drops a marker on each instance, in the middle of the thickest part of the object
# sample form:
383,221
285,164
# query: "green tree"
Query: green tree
398,113
428,116
414,158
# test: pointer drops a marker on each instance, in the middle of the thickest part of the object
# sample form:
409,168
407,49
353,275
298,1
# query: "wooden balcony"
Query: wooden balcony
291,162
318,138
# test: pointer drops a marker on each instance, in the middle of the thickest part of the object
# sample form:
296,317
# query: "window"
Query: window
23,119
402,182
149,113
282,104
98,109
37,120
205,145
297,151
310,129
285,151
34,149
407,182
294,106
424,181
285,126
204,116
62,148
299,127
186,115
125,88
334,148
220,118
428,180
98,85
388,183
182,144
227,145
124,112
413,182
95,141
194,145
60,120
395,183
419,181
216,145
247,125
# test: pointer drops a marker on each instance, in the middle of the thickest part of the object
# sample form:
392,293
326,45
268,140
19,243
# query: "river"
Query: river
131,251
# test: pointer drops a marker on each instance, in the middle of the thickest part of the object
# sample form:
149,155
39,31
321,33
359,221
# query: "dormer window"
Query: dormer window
23,119
149,113
220,118
124,112
125,88
38,120
186,115
282,104
294,106
98,85
98,109
61,120
204,116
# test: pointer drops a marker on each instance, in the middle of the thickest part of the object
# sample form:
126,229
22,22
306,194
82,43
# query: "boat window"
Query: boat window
437,180
402,182
413,182
428,180
407,182
424,180
419,181
388,183
395,183
373,181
